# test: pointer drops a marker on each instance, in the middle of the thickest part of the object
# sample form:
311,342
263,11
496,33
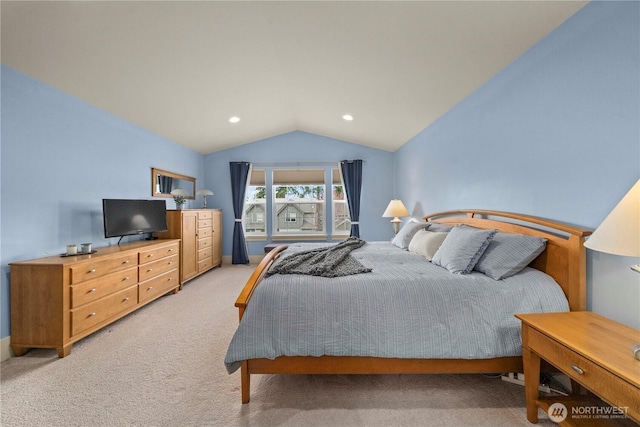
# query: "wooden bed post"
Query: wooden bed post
244,382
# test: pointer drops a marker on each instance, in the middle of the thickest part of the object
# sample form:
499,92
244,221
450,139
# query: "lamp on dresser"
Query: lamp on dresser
394,210
204,193
619,233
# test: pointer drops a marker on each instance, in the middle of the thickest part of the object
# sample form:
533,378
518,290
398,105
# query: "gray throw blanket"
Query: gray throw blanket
332,261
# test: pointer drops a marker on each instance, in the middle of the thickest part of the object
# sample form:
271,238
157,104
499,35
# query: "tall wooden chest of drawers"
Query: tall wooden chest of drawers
200,234
56,301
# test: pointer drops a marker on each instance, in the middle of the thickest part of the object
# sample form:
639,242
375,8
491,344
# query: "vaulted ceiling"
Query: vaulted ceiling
182,69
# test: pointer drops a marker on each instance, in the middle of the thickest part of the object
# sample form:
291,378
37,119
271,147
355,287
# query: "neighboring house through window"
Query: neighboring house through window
295,204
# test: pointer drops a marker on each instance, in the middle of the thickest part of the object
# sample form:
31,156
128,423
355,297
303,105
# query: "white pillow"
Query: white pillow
426,243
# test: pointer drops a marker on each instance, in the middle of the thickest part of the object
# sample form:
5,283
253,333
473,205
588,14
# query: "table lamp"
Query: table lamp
204,193
395,209
619,233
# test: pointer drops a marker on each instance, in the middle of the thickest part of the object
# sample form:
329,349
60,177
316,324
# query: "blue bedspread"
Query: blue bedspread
405,308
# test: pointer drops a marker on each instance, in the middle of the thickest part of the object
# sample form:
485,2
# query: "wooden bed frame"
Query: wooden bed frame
564,259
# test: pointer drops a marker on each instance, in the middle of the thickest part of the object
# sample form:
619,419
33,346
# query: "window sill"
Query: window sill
298,237
255,238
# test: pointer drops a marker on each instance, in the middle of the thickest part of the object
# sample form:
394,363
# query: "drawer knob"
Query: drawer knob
126,261
577,369
92,290
126,299
149,270
149,288
93,270
149,256
92,314
125,279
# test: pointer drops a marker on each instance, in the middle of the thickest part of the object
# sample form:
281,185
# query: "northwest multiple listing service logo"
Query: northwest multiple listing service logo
558,412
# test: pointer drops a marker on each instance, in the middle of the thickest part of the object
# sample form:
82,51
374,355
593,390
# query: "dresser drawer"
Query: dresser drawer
158,285
90,315
205,253
205,243
151,269
99,268
157,253
591,375
91,290
205,223
205,215
205,265
205,232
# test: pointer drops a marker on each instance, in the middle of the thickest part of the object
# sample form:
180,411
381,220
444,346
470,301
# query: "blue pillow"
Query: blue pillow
508,254
462,248
406,233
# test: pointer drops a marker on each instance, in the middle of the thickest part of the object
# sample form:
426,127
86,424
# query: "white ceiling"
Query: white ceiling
182,69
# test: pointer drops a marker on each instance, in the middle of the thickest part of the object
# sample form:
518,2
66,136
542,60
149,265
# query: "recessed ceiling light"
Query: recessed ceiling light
348,117
234,119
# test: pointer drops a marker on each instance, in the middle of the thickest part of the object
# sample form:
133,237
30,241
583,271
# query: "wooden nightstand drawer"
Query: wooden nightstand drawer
592,376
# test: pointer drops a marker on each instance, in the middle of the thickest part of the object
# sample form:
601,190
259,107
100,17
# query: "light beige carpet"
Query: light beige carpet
163,366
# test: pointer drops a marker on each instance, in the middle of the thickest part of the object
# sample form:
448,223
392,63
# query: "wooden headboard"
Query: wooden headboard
564,258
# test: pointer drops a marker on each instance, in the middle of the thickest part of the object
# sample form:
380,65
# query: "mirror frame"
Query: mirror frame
154,183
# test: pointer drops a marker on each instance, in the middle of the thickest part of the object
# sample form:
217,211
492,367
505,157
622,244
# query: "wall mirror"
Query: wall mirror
163,182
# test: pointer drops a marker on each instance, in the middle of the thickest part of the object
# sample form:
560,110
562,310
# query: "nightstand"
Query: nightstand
594,352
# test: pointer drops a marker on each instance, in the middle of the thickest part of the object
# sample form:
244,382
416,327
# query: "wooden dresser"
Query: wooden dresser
595,352
56,301
200,234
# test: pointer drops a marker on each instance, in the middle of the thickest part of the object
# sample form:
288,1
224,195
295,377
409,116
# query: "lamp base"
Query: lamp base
396,224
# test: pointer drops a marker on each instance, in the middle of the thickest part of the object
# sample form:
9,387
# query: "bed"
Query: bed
482,340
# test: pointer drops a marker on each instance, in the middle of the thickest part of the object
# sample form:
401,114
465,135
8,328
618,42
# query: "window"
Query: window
299,201
294,206
255,204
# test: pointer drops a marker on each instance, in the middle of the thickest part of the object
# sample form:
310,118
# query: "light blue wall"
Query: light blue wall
60,157
556,134
309,150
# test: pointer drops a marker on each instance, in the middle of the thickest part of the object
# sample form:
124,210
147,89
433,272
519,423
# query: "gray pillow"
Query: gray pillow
508,254
406,233
462,248
426,243
434,226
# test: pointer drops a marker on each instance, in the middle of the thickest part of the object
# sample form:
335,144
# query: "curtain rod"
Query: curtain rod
289,164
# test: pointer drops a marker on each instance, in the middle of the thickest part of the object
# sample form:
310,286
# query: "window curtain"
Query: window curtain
165,183
351,171
239,176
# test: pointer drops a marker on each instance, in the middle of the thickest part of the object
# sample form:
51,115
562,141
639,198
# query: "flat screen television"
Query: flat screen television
126,217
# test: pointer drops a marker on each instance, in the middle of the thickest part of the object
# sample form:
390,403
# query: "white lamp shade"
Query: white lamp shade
204,192
619,233
395,209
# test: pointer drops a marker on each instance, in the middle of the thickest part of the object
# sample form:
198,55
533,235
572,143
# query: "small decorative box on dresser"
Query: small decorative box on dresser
56,301
200,234
595,353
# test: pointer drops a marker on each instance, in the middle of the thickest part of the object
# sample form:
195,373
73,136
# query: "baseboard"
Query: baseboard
5,350
253,259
